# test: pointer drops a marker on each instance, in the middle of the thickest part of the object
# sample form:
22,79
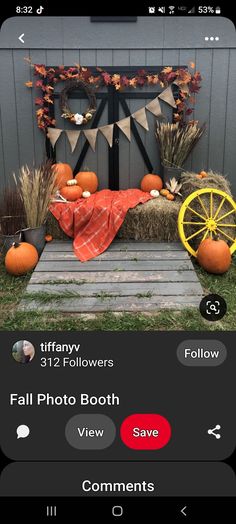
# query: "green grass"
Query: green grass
12,290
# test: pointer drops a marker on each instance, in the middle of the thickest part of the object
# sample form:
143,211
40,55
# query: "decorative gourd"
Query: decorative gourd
86,194
154,193
164,192
71,192
170,197
150,182
214,256
21,258
48,238
87,180
63,173
203,174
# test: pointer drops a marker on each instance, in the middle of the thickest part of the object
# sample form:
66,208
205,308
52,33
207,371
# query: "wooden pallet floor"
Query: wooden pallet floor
129,276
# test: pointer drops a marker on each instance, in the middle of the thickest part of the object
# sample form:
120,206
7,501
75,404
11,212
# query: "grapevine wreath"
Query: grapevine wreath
76,118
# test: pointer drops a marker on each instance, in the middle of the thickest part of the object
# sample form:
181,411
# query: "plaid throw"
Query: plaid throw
93,222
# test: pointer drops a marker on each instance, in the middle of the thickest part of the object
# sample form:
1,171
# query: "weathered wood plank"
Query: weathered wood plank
133,304
119,288
119,246
114,276
118,255
104,265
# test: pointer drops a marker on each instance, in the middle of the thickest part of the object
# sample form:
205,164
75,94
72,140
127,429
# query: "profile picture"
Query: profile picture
23,351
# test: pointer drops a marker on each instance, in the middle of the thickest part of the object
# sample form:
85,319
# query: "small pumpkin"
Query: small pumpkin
199,176
71,193
154,193
164,192
63,173
150,182
21,258
48,238
88,180
170,197
214,256
72,182
203,174
86,194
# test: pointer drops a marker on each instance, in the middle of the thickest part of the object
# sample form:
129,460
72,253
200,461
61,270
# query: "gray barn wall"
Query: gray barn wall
149,42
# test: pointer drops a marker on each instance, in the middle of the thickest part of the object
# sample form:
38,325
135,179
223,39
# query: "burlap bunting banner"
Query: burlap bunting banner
124,126
91,135
107,131
53,135
154,107
73,137
141,117
167,96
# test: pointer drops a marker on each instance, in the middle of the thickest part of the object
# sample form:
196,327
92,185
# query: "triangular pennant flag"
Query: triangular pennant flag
91,135
107,131
154,107
124,125
141,117
167,96
53,135
73,137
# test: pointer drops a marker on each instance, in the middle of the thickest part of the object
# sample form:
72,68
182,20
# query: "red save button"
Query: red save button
145,431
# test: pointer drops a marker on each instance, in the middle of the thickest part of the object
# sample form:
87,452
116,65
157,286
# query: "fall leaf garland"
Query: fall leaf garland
187,82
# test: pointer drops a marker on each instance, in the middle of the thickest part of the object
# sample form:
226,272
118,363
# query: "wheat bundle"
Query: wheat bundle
36,185
176,142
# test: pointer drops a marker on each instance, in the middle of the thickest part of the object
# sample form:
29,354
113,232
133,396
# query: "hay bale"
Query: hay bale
54,229
191,183
156,219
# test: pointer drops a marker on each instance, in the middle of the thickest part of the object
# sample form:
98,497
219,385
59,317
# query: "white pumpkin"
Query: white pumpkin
86,194
154,193
72,182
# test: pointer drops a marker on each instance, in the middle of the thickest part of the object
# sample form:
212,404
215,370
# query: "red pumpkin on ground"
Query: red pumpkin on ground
21,258
150,182
63,173
214,256
88,180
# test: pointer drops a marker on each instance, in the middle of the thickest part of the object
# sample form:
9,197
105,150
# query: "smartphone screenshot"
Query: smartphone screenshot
117,263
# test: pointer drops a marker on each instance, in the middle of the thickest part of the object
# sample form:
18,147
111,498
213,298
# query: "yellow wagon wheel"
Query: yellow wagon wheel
199,218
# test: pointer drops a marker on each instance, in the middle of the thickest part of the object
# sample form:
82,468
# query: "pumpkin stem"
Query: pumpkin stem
15,244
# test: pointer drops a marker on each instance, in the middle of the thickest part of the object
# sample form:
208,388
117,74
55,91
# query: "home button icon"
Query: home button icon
117,511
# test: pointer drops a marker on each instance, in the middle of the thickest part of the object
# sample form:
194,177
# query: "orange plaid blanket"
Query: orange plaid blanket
93,222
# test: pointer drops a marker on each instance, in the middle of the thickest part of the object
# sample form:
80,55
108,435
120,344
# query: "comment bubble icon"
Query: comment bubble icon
22,431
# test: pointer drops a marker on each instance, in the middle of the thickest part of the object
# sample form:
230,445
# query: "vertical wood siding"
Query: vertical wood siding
22,142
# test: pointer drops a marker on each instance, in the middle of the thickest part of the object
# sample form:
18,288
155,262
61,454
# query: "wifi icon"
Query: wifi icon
171,9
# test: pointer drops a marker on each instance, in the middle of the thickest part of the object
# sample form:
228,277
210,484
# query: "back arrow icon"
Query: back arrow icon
21,38
183,511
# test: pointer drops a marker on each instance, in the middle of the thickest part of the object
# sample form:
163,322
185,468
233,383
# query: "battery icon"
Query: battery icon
217,10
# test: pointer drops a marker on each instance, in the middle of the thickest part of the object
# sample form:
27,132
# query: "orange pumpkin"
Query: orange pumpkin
48,238
63,173
214,256
21,258
71,193
150,182
203,174
88,180
199,176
